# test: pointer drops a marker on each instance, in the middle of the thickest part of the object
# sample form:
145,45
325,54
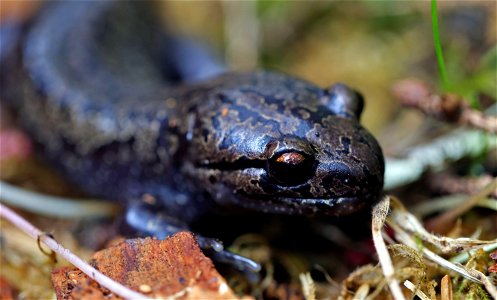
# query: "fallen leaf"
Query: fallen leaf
6,290
175,267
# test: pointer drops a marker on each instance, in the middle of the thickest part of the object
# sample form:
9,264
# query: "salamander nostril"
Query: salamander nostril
341,181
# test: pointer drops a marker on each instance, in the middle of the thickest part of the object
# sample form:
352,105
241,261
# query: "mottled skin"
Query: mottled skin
96,92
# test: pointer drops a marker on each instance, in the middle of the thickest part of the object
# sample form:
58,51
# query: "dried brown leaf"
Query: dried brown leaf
6,290
446,288
175,267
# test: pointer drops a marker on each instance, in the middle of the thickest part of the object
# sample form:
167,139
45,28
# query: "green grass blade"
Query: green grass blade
438,46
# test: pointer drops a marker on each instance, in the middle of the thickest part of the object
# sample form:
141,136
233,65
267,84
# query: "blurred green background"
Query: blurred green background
366,44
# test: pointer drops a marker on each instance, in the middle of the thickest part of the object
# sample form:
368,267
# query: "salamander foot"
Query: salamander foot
216,251
148,221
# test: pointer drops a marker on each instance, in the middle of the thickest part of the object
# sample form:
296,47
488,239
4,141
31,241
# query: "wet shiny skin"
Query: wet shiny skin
98,95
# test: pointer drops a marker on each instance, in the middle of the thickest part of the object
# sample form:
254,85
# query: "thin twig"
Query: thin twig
435,155
461,270
362,292
406,222
491,289
446,288
463,257
308,286
55,206
380,211
415,290
477,119
407,239
406,231
445,107
410,232
91,272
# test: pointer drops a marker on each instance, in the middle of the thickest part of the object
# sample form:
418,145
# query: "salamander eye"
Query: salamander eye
290,168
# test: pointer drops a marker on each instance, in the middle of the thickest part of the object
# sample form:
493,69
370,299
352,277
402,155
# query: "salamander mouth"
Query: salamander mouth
306,206
239,164
339,205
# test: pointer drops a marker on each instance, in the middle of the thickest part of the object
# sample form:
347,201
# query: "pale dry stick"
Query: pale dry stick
362,292
405,221
435,155
91,272
376,292
380,211
408,240
308,286
491,289
442,150
445,107
415,290
446,288
407,227
479,120
463,257
60,207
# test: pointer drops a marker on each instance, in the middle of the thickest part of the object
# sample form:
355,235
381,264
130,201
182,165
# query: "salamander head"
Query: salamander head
278,144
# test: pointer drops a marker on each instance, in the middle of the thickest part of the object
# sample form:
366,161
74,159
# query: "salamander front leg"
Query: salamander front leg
215,250
148,220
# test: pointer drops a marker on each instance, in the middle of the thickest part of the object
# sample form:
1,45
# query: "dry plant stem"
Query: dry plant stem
361,292
408,230
408,240
464,257
415,290
435,155
380,211
35,233
308,286
478,120
491,289
376,292
442,222
450,147
403,221
446,288
55,206
448,107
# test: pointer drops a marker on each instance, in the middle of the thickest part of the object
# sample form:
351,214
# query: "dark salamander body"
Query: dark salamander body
97,85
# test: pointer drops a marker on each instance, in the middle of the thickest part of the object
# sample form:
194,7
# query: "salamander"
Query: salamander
121,112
